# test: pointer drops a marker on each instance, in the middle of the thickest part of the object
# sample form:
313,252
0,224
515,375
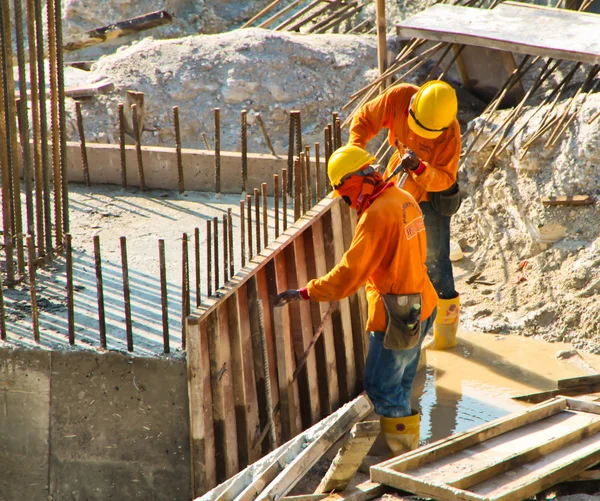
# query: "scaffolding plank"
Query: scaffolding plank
509,459
540,32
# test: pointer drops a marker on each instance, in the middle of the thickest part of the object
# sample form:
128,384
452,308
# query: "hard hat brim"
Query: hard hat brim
420,131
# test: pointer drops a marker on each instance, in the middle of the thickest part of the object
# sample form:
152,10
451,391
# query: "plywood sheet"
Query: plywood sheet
542,32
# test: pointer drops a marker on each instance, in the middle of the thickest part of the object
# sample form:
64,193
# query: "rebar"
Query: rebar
178,149
32,290
290,160
126,293
216,251
298,130
62,117
205,139
225,250
197,265
242,233
303,189
249,217
309,185
163,295
2,312
257,218
122,145
70,288
276,203
84,157
284,197
208,258
230,242
244,127
138,146
319,185
263,338
297,188
100,292
185,286
217,112
266,135
265,214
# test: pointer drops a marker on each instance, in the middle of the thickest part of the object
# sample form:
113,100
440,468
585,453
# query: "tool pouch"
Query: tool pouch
446,202
398,336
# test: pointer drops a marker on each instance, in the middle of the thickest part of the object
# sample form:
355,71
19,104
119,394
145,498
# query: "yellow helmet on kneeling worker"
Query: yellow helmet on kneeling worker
345,161
433,109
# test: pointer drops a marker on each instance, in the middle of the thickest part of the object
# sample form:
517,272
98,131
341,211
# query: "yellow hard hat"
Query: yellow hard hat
433,109
346,161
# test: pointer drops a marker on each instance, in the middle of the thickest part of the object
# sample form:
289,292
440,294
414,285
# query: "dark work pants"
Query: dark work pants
439,266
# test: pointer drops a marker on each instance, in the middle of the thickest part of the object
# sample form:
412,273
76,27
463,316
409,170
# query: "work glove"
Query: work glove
287,297
410,160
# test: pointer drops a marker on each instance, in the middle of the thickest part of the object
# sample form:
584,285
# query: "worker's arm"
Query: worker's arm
440,173
379,113
357,264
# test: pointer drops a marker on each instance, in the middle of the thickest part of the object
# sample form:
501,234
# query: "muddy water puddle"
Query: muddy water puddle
474,382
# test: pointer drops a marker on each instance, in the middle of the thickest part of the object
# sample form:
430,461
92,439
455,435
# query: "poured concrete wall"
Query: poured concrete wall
160,168
86,426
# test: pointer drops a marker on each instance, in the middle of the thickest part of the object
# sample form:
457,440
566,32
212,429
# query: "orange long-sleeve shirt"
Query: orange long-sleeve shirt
387,255
439,156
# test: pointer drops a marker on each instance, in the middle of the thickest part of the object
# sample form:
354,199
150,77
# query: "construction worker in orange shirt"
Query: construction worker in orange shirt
387,256
423,127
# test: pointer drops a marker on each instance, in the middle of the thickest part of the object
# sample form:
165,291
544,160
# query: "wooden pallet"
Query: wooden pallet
509,459
226,370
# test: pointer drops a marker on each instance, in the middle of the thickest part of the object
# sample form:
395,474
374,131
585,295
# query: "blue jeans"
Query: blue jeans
389,374
439,266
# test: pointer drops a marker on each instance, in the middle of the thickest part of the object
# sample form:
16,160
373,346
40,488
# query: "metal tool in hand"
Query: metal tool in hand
401,168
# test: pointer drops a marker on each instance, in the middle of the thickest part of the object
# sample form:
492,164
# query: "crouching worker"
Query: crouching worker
387,256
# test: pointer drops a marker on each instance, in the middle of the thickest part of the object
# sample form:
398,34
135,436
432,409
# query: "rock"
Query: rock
456,253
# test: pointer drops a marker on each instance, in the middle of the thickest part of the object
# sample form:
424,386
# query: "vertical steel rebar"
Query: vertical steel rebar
265,214
23,117
303,184
137,134
178,149
216,251
185,287
297,193
197,265
100,292
122,145
298,128
35,119
244,125
284,198
242,233
62,117
265,134
84,157
318,185
230,241
257,218
309,187
164,301
70,288
249,216
208,258
338,133
32,289
217,153
334,119
205,139
291,139
126,293
329,135
276,203
225,250
2,313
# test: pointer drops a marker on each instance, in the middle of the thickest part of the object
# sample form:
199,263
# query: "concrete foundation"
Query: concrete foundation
83,426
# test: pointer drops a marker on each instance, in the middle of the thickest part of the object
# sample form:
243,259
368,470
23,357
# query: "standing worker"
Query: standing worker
387,256
423,127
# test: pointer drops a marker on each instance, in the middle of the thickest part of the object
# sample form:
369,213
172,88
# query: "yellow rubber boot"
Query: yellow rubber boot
402,434
445,326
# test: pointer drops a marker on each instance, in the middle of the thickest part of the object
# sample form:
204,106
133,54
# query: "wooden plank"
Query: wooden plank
202,440
263,294
535,398
79,91
344,305
346,416
362,492
222,390
561,35
358,332
585,476
568,200
260,261
362,296
575,382
345,464
246,404
330,381
306,331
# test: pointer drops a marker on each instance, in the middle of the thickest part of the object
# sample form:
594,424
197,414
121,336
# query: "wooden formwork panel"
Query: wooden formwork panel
509,459
236,361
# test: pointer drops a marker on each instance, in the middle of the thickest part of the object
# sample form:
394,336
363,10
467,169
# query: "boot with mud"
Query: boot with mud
445,326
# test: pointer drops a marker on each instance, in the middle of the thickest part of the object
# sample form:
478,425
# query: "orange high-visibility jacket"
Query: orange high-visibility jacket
387,255
439,156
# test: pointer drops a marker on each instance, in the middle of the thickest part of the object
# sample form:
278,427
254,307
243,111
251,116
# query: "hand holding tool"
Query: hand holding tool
286,297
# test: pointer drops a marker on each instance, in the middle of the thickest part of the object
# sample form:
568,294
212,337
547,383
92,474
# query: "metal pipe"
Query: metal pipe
84,158
163,295
100,292
126,293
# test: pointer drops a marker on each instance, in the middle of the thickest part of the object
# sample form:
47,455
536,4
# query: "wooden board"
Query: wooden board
508,459
540,32
568,200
